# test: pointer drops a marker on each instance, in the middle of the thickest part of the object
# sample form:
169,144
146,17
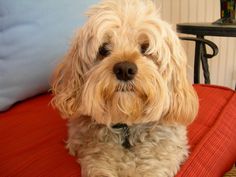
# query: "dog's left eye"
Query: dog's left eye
144,47
104,50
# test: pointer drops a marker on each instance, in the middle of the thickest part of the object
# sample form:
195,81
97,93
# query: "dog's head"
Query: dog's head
125,65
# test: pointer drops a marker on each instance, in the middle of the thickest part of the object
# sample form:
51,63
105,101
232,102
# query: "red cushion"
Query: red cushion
32,138
212,135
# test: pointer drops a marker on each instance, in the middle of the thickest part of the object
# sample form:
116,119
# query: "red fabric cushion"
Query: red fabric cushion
32,138
212,136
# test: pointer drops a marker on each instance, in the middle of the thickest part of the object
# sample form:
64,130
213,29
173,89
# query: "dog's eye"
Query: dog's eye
144,47
104,50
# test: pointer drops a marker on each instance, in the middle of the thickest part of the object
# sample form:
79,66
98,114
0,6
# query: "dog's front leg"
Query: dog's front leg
96,165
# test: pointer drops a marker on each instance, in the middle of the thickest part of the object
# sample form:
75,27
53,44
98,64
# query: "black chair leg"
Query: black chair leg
197,59
205,65
201,55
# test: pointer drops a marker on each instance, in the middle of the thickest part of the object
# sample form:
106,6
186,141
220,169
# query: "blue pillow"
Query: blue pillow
34,35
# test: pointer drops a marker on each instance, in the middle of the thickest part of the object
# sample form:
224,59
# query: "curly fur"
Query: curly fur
157,149
157,104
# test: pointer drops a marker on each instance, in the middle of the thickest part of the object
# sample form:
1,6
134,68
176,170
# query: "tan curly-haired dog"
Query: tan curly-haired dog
123,87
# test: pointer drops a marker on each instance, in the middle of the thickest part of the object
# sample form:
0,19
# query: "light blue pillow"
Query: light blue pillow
34,35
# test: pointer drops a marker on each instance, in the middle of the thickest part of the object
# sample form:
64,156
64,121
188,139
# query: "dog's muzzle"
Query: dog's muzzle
125,71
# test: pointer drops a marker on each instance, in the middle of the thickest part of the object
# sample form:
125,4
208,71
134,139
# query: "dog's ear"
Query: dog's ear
183,98
67,80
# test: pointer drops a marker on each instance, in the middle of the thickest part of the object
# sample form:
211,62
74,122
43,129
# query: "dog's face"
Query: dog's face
125,65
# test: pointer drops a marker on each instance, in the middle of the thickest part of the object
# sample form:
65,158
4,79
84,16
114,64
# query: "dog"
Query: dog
123,87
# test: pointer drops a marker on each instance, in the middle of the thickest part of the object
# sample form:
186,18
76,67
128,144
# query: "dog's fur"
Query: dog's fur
156,104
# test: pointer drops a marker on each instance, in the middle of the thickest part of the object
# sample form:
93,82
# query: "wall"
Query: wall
223,66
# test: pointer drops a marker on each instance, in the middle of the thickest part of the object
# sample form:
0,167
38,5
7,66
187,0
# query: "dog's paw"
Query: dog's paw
101,174
72,148
105,175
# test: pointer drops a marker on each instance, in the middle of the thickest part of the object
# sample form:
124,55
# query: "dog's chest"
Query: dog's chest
128,148
126,137
124,132
87,133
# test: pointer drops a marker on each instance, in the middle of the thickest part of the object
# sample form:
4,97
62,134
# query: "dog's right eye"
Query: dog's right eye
144,47
104,51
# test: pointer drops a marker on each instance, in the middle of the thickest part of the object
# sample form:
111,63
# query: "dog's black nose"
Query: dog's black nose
125,70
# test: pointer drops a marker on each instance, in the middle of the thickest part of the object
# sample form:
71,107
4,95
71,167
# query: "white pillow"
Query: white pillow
34,35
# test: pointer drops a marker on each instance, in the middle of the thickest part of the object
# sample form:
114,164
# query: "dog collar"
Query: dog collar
125,133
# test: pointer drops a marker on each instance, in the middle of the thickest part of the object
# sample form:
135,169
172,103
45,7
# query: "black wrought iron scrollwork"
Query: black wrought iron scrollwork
202,55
